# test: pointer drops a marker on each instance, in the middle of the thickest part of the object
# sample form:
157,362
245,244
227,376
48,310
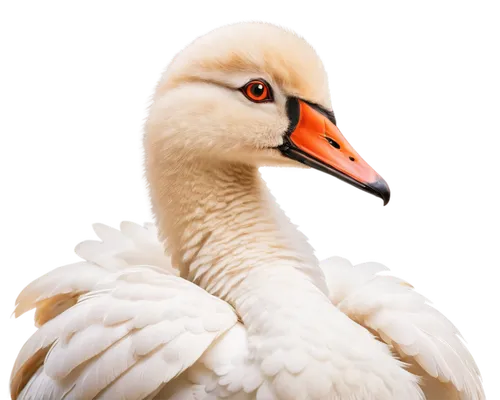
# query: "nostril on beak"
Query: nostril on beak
332,142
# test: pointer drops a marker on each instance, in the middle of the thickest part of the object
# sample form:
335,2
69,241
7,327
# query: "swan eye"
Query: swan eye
257,91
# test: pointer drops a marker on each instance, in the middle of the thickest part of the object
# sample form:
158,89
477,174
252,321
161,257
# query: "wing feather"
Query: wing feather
132,245
58,285
56,291
405,320
124,339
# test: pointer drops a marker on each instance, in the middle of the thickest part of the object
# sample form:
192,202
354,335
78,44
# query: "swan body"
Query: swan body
223,298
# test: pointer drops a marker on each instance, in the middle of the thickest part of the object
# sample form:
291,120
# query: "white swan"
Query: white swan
240,309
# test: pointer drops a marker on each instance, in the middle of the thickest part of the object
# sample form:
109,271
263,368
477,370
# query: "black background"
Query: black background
80,156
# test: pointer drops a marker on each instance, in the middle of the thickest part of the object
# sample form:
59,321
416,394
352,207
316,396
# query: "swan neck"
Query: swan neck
220,223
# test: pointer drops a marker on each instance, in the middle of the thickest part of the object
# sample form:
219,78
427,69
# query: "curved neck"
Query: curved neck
227,234
220,223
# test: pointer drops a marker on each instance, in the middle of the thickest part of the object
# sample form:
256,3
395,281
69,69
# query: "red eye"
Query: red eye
257,91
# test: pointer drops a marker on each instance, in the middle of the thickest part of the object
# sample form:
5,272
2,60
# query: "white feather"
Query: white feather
151,331
70,279
407,322
131,245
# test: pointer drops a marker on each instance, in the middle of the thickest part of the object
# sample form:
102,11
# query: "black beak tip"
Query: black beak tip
381,189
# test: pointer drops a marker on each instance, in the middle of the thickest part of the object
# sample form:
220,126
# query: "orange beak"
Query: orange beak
314,139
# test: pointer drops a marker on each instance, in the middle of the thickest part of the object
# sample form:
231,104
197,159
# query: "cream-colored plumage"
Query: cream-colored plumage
239,308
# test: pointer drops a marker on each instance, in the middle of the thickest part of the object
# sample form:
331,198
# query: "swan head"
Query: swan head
252,93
